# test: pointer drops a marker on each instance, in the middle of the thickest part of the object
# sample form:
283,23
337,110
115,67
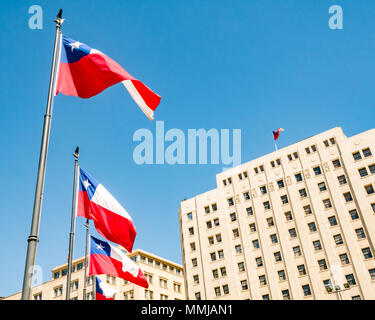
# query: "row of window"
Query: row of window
75,267
157,264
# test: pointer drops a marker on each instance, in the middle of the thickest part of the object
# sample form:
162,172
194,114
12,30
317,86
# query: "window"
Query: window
288,216
307,209
245,174
240,176
225,289
297,251
372,168
263,189
278,162
332,221
256,244
292,233
353,214
266,297
190,216
230,202
312,226
236,233
302,193
372,273
282,275
290,157
211,240
224,182
298,177
327,203
207,209
215,273
214,207
195,280
194,262
244,285
38,296
357,156
213,256
246,195
252,227
256,170
209,224
336,163
229,180
373,206
221,254
338,239
191,231
301,270
317,245
348,196
326,143
328,284
360,233
332,140
249,211
280,184
217,291
356,298
192,246
313,148
351,280
367,253
270,222
284,199
238,249
241,267
295,154
197,295
216,222
363,172
322,186
369,189
342,180
58,291
344,258
267,205
322,264
261,168
286,295
307,150
163,297
233,217
223,271
56,275
272,164
273,238
306,290
317,170
259,261
277,256
367,152
262,280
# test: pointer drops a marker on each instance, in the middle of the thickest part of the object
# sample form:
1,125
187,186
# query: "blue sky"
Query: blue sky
250,65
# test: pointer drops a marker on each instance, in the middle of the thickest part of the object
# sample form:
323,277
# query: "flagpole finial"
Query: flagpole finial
76,153
59,20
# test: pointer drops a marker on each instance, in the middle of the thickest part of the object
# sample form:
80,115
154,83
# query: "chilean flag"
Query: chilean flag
84,72
110,218
103,291
277,133
107,259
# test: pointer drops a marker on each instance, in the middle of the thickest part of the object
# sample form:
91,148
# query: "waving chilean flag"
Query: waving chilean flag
103,291
110,218
84,72
277,133
107,259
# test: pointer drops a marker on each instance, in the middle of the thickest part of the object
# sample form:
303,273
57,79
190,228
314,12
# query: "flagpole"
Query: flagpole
72,223
33,238
86,261
275,145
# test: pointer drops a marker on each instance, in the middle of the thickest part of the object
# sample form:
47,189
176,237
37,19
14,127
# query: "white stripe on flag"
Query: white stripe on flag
138,99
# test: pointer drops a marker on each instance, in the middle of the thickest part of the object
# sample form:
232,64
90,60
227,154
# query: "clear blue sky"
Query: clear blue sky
252,65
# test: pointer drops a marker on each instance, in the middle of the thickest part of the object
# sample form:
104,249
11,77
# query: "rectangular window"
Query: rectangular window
322,186
317,170
297,251
263,189
332,140
233,217
241,266
273,164
225,289
286,295
372,273
282,275
369,189
246,195
306,290
236,233
256,244
332,221
262,280
336,163
273,238
217,292
207,209
209,224
357,156
190,216
327,203
298,177
266,205
322,264
367,253
221,254
197,295
326,144
307,209
211,240
284,199
344,258
312,226
277,256
213,256
280,184
295,154
307,150
348,196
313,148
270,222
290,157
292,233
367,152
216,222
350,279
191,231
338,239
214,207
266,297
288,216
363,172
244,285
218,237
196,279
342,180
249,211
230,202
223,271
238,249
317,245
259,261
302,193
256,170
353,214
252,227
372,168
192,246
373,206
360,233
301,270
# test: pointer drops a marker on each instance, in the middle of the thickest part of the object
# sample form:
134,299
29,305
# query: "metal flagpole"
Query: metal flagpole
33,238
72,224
275,145
86,261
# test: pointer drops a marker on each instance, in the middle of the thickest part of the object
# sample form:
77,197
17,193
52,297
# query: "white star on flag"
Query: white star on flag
75,45
99,246
86,184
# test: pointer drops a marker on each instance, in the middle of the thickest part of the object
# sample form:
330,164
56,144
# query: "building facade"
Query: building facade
298,223
165,278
